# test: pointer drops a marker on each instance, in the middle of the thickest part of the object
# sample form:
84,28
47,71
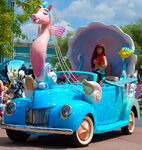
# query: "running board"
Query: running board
110,127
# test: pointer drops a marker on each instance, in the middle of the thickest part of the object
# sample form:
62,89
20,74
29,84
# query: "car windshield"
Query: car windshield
74,77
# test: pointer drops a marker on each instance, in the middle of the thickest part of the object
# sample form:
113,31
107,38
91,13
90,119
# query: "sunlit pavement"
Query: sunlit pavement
139,122
108,141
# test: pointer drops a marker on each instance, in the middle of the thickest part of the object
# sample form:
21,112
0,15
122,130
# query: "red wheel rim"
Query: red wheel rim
84,130
131,124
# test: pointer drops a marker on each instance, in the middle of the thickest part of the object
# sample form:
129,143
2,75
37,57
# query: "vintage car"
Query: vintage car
76,104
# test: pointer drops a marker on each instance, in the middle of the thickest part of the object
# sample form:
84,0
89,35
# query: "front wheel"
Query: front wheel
129,129
17,136
84,134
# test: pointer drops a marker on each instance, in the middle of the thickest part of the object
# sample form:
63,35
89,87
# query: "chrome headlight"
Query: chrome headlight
66,111
10,108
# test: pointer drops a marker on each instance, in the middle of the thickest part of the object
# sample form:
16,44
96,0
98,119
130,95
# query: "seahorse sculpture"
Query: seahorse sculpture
39,46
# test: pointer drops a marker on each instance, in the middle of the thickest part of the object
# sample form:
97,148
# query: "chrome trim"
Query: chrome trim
7,108
37,117
37,129
69,112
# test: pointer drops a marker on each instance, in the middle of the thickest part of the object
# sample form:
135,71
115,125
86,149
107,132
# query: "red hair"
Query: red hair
95,53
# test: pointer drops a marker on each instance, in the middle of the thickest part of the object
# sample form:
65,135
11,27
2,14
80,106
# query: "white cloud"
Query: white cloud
84,9
118,12
30,30
131,5
126,11
19,10
103,12
107,11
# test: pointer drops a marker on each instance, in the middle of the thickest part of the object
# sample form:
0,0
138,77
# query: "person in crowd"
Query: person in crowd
1,96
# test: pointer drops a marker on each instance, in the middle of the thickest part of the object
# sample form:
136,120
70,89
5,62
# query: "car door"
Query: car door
108,109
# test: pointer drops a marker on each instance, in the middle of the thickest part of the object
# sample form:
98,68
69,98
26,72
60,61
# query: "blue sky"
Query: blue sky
76,13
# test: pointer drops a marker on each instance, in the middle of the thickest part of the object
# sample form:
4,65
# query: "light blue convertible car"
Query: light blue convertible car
76,104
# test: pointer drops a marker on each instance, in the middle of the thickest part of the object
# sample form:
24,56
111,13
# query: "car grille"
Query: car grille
37,117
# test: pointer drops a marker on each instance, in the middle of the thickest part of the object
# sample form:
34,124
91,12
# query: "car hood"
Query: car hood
57,95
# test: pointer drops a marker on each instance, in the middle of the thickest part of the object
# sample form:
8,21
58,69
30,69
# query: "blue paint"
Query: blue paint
111,112
123,73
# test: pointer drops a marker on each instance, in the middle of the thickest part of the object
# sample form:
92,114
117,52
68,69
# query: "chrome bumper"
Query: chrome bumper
36,129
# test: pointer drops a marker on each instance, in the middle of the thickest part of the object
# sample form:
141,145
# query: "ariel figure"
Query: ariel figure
98,60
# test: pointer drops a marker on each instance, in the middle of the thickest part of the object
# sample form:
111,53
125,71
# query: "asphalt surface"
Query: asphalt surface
113,140
139,122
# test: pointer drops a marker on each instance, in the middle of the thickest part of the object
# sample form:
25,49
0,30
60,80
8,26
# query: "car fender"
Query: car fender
19,116
135,107
130,104
79,110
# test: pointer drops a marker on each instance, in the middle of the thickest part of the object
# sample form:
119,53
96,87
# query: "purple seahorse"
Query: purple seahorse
39,46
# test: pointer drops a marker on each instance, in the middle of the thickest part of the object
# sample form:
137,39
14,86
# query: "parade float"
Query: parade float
13,72
12,75
71,102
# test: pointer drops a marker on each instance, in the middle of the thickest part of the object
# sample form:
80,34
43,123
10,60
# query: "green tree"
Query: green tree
139,65
63,44
10,23
135,31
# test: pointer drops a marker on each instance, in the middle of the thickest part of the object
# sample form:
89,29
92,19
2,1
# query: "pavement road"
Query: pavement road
139,122
113,140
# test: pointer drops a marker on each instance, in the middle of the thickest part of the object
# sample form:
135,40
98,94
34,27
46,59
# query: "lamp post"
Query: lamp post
11,3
